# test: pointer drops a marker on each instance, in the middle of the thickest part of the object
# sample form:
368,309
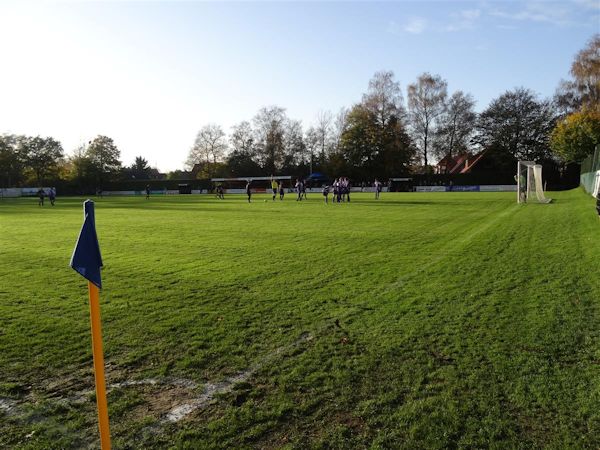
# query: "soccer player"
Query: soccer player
248,190
52,196
336,189
147,191
348,187
377,186
299,188
304,183
340,190
326,193
41,194
281,190
274,187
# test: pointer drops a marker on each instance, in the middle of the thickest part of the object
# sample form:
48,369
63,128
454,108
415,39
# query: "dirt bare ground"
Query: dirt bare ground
162,401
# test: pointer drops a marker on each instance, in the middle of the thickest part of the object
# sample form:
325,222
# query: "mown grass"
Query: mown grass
457,320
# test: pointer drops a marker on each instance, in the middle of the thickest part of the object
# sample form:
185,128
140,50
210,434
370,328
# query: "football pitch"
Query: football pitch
422,320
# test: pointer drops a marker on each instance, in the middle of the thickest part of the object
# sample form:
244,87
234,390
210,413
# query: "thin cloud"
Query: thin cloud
506,27
470,14
416,25
393,28
546,12
588,4
463,20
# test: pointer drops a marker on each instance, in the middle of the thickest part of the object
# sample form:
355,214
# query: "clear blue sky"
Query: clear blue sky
150,74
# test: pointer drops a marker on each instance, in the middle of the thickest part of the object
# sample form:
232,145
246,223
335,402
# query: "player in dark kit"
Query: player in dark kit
299,188
248,190
147,191
281,191
52,196
326,194
41,194
377,185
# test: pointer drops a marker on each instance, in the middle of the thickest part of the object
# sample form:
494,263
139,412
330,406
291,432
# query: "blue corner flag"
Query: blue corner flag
86,257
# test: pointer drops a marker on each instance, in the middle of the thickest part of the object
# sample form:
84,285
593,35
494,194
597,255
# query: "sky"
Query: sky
151,74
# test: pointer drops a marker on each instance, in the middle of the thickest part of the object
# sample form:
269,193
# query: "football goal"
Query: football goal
530,187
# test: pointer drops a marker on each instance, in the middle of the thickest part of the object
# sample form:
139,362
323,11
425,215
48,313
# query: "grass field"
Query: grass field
458,320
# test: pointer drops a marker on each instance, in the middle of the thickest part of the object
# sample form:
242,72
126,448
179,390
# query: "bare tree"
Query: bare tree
210,146
584,88
339,126
426,99
323,130
384,98
456,125
242,138
295,153
566,98
311,143
586,72
269,131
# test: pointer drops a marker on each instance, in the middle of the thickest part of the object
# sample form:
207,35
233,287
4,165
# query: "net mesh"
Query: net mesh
530,187
590,173
539,189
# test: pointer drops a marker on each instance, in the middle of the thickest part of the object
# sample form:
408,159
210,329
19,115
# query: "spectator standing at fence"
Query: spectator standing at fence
249,190
41,194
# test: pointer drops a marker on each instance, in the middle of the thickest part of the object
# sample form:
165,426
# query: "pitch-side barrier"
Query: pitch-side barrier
474,188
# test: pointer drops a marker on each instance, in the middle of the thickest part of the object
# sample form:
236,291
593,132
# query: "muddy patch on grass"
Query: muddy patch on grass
211,390
177,382
8,405
209,393
156,401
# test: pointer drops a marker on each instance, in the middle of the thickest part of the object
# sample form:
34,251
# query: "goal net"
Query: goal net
530,187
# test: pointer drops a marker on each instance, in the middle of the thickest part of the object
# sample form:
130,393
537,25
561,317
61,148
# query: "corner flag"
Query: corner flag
86,257
86,260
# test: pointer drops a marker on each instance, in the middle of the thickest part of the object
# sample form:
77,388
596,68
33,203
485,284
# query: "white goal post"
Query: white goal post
596,184
530,186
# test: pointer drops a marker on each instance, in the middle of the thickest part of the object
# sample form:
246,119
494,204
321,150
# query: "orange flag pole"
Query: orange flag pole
99,366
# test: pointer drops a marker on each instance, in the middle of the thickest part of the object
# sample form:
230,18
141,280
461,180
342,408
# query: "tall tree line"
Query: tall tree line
381,135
